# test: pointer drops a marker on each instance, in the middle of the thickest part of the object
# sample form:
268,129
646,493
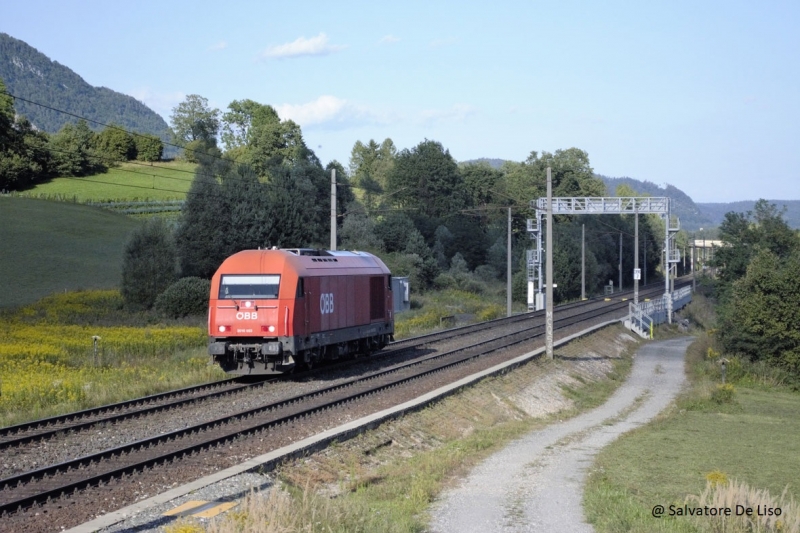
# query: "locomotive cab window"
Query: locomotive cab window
251,286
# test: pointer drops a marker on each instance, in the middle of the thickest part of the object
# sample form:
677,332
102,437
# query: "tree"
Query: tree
24,157
253,133
202,234
572,175
6,114
761,320
744,234
73,151
297,219
115,144
393,230
194,120
149,264
427,177
372,161
358,233
243,120
148,147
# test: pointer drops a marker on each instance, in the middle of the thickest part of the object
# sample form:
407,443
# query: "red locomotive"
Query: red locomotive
271,310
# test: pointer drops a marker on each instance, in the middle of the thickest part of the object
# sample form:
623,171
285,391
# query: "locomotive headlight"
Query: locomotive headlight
223,329
272,329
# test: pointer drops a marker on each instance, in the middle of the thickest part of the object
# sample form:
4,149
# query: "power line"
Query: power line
133,133
112,126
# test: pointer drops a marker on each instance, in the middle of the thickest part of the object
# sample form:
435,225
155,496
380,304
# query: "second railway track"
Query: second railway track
49,483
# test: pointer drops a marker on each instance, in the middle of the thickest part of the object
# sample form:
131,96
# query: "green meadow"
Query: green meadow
52,247
129,181
718,445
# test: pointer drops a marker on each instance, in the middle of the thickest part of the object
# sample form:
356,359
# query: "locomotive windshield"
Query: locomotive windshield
249,286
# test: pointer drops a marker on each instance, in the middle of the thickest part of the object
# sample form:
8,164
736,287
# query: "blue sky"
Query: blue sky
701,95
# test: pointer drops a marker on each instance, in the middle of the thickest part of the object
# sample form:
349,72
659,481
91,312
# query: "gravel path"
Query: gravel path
536,483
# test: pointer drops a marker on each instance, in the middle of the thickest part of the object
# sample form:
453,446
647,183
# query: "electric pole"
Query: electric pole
333,209
583,261
508,267
549,266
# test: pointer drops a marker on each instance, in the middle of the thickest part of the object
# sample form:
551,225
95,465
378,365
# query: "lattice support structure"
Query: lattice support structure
615,205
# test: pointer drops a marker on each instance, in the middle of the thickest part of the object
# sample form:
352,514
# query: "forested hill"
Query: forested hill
691,216
30,74
716,211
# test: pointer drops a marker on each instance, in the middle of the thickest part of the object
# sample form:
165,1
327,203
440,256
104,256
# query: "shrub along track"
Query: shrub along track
135,470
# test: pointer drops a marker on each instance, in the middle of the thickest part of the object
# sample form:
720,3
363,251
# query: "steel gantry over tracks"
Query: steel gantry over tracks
598,206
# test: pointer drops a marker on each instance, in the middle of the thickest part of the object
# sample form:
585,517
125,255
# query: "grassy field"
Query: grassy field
56,246
129,181
48,363
432,309
752,436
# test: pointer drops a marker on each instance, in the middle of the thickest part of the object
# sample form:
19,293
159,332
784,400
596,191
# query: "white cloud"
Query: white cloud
389,39
161,103
222,45
315,46
323,109
457,113
329,111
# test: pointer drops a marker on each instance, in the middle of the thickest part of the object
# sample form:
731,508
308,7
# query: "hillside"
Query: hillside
32,75
691,216
57,246
492,162
716,211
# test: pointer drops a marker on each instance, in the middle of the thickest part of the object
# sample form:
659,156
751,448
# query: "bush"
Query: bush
486,273
149,264
187,296
490,313
722,393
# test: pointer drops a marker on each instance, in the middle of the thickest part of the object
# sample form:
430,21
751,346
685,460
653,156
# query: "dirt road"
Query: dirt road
536,483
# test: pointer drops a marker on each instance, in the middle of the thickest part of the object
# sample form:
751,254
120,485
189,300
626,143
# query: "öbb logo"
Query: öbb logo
246,315
326,303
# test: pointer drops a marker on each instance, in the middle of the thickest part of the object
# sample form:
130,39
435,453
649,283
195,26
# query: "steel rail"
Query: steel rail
37,430
24,497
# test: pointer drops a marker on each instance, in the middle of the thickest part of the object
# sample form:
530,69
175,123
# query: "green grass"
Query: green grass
429,308
753,438
129,181
48,364
56,246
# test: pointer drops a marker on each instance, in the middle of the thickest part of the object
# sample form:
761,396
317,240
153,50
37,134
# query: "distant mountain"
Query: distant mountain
30,74
691,216
494,163
716,211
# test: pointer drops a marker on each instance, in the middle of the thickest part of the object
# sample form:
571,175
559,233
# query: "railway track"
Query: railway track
38,486
38,430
